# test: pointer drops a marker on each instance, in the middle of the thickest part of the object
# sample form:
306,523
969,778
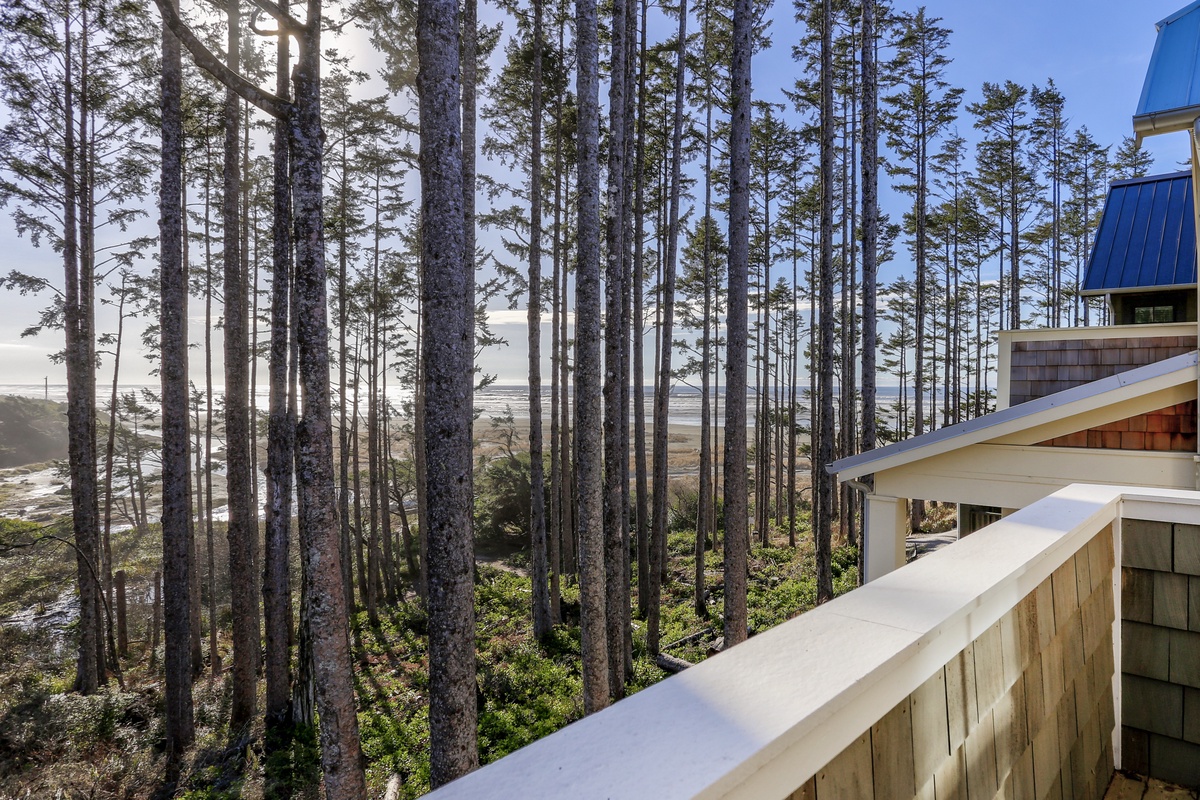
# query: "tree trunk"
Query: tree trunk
614,371
405,530
364,575
155,618
173,371
80,443
567,535
242,528
391,572
448,302
341,755
122,616
373,310
558,376
870,223
344,444
640,468
588,417
277,590
208,448
625,587
736,532
704,501
542,618
109,452
824,444
662,393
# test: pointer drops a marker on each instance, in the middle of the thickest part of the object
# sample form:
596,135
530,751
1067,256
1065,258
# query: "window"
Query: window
1143,315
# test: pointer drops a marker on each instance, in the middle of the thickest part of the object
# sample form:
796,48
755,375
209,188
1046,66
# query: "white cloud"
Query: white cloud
519,316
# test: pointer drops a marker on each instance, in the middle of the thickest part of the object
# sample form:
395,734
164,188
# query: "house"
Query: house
1093,405
1075,405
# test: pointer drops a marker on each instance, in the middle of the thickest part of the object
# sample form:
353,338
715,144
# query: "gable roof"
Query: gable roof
1076,400
1146,238
1170,99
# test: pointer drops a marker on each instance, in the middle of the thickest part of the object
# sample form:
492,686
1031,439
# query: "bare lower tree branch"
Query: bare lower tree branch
264,100
286,21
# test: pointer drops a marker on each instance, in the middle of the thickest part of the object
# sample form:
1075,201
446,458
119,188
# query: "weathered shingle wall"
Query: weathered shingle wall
1025,711
1171,429
1040,368
1160,650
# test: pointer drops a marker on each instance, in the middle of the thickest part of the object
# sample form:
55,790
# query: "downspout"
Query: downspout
867,487
1195,132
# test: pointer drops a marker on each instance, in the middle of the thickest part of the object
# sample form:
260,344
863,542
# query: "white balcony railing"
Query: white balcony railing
992,663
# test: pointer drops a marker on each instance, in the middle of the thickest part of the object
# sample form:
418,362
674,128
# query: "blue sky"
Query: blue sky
1096,52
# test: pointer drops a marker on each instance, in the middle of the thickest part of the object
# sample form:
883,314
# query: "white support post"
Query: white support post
887,521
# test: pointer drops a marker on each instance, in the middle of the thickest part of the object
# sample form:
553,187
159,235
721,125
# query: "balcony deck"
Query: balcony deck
1126,786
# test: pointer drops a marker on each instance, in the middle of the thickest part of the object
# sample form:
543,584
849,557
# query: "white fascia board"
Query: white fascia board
1096,394
1011,476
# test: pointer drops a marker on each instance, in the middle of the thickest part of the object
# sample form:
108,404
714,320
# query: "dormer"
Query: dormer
1144,258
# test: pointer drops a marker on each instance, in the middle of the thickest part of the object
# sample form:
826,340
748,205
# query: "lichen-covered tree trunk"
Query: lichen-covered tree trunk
448,350
85,201
662,393
242,530
626,588
870,232
81,445
640,468
344,444
391,571
824,444
328,629
560,459
277,592
705,500
615,415
173,370
205,514
558,462
588,417
109,453
542,619
736,524
372,366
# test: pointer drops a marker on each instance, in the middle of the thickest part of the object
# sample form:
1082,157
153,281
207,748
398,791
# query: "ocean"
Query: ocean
496,400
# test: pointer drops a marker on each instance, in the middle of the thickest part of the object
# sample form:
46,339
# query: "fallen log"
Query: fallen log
671,663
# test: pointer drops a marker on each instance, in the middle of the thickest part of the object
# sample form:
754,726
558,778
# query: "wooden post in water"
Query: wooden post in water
122,627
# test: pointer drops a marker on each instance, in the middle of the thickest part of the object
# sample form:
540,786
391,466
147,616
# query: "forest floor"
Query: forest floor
110,745
54,743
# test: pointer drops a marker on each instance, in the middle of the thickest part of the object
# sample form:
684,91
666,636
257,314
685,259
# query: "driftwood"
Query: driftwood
691,637
671,663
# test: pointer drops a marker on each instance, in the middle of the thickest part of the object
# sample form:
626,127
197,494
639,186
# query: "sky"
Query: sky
1096,51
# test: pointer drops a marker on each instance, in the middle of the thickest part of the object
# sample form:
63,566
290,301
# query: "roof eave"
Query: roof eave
1171,121
1078,399
1136,289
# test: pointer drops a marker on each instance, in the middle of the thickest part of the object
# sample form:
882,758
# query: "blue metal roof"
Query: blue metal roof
1171,94
1147,236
